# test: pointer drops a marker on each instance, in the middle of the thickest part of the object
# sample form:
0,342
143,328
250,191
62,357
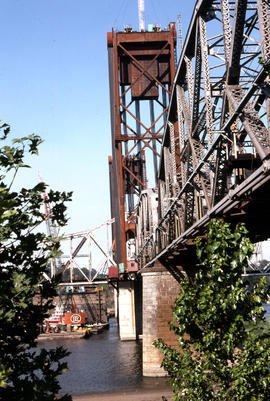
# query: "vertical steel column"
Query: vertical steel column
164,101
154,142
118,189
206,81
264,26
225,11
139,143
124,119
173,161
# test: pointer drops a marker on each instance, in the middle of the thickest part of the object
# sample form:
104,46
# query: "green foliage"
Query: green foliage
265,63
25,373
224,355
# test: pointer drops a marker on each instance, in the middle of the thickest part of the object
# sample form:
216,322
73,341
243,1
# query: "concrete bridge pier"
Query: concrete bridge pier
144,306
159,290
129,309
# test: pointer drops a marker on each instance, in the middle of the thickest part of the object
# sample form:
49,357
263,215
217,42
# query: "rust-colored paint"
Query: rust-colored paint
143,61
122,256
109,39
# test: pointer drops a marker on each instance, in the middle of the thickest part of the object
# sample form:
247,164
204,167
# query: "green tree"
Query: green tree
221,353
25,372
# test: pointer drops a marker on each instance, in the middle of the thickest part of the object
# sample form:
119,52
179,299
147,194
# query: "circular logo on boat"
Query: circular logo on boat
76,318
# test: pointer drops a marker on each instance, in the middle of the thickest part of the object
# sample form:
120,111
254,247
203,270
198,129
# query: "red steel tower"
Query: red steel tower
141,72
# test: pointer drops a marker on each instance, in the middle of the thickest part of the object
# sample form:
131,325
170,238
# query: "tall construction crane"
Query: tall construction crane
52,230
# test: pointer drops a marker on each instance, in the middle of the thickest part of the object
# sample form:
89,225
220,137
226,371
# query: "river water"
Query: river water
102,363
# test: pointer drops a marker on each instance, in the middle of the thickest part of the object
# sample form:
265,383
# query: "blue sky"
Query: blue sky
54,82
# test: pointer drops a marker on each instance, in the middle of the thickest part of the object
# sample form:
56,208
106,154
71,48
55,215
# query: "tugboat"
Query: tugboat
74,316
61,319
55,319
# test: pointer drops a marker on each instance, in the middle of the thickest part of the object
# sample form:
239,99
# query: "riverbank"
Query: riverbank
129,395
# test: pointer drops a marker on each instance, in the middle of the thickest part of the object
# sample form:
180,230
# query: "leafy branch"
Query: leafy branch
26,374
221,355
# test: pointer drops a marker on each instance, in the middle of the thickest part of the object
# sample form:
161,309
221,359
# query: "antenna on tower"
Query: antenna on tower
141,15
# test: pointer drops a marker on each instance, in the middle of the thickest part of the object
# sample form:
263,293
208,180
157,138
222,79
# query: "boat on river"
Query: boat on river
70,321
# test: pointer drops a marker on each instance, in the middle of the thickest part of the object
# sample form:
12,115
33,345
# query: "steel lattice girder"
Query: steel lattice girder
220,100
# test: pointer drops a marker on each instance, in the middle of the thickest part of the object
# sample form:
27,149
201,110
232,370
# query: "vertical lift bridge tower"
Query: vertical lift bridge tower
141,72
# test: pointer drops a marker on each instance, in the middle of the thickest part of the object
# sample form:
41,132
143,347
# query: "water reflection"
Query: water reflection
102,363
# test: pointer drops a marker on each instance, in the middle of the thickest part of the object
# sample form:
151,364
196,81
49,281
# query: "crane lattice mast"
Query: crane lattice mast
51,229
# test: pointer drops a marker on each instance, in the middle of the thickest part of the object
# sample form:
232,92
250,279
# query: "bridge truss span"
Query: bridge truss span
215,155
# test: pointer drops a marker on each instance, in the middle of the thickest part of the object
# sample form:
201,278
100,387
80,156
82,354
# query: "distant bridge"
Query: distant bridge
81,248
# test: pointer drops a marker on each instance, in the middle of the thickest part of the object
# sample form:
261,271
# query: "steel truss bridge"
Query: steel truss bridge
215,154
81,247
